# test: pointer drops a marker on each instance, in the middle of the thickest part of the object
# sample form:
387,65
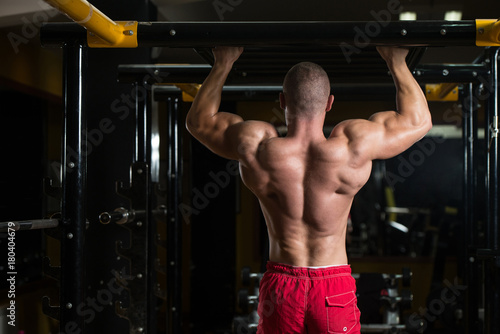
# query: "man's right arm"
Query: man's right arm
389,133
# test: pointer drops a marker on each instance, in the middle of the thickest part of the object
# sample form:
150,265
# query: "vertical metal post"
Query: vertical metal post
469,136
174,232
143,123
74,170
141,310
492,266
143,128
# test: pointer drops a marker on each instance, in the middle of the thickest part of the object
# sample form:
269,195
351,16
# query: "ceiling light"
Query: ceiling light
453,15
407,16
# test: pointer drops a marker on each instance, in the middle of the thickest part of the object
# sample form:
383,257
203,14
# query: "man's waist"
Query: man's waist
309,271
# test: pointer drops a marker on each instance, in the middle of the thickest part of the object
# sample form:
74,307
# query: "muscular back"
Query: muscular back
305,182
305,188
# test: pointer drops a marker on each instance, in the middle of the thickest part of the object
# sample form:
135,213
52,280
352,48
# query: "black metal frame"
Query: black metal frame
141,311
472,75
492,251
174,223
73,205
471,271
270,33
286,35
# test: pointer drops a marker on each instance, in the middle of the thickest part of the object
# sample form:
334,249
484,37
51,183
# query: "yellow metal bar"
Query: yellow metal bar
391,202
103,31
441,92
129,40
189,91
488,32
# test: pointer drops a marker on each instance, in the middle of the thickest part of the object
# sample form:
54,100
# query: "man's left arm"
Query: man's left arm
204,121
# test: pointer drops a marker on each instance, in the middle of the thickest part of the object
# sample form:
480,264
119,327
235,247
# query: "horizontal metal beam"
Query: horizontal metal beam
351,36
163,74
28,225
344,92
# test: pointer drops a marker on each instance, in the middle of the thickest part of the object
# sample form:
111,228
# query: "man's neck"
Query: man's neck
310,129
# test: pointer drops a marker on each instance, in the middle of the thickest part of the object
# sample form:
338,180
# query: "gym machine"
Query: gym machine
105,33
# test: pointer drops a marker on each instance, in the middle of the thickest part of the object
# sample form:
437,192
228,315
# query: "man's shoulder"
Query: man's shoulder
260,125
250,135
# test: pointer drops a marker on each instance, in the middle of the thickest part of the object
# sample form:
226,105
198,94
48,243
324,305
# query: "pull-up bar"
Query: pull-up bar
346,34
104,32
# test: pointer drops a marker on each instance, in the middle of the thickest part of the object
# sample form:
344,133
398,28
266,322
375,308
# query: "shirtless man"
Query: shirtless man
305,184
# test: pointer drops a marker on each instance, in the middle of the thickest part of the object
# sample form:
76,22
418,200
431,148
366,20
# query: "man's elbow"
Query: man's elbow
427,122
192,124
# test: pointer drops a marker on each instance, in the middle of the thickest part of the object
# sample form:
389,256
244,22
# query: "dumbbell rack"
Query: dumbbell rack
248,324
393,302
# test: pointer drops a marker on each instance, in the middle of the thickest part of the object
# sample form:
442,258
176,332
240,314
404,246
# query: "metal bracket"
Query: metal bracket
493,131
137,253
52,311
50,271
494,127
125,32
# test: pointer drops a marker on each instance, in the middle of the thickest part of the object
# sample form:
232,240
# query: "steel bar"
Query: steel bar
73,213
347,34
351,36
143,123
97,23
492,265
174,232
29,224
143,155
471,270
494,237
429,73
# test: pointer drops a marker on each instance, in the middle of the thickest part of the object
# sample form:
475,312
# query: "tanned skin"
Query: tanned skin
306,182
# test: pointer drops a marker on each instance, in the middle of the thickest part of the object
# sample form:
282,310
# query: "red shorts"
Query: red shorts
304,300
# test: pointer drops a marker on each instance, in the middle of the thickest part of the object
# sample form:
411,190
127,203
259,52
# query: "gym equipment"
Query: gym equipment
390,300
244,325
74,39
194,34
123,216
248,324
29,224
247,276
244,299
36,224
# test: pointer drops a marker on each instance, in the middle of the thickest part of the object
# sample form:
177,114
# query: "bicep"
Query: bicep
385,135
397,133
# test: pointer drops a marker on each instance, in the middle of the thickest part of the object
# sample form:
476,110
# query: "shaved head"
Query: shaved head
306,88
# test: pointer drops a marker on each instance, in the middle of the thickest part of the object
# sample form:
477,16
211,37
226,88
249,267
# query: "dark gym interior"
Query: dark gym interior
169,239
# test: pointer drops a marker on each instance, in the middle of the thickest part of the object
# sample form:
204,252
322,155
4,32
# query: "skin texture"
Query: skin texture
305,182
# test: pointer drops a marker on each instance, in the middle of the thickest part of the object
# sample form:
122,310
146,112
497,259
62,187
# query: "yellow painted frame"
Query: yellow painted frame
441,92
102,31
488,32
